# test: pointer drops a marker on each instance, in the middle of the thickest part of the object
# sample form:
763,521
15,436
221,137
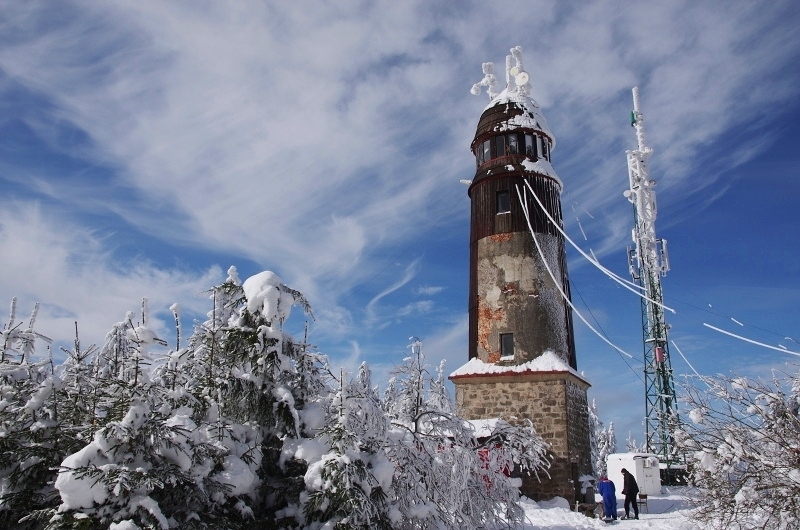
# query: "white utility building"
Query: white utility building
643,466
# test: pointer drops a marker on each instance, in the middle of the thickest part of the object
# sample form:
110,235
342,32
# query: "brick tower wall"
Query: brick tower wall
555,402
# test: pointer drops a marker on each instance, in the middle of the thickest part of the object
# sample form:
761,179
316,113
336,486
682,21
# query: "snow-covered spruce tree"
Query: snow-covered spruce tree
595,434
632,446
347,485
250,374
603,441
31,437
743,448
72,405
445,476
122,367
138,447
152,462
606,445
78,393
203,433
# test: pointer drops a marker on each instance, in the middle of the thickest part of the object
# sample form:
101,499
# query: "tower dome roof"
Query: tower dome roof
513,116
513,109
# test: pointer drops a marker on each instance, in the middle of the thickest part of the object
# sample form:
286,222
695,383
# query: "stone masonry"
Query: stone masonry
555,402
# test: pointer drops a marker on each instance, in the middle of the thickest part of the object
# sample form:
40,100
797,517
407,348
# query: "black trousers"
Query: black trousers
631,499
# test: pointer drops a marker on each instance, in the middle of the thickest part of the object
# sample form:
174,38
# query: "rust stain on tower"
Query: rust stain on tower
487,319
498,238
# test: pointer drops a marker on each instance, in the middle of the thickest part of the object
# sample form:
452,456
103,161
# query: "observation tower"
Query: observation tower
522,361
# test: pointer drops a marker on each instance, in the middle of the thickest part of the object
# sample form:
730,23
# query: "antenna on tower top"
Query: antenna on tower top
517,79
637,120
518,73
489,81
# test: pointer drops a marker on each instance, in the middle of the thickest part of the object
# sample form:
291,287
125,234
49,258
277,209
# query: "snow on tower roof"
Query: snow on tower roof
543,167
547,362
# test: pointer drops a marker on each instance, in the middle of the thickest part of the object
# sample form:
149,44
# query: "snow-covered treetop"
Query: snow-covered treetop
517,91
266,294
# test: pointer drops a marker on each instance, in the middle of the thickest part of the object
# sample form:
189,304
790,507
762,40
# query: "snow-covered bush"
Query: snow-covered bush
408,462
743,447
348,486
448,476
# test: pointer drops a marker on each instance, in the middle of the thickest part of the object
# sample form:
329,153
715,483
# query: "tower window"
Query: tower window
512,144
530,146
503,202
545,149
487,150
500,145
506,345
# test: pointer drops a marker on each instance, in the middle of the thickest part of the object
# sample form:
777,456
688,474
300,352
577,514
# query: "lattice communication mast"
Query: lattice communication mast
648,262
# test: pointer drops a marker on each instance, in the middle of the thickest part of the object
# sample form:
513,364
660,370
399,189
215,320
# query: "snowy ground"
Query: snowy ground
668,511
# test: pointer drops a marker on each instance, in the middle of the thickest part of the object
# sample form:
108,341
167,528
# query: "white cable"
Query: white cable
581,227
625,283
751,341
591,259
687,361
558,282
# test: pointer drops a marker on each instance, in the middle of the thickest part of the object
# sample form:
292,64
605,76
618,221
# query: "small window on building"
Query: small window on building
506,345
503,202
487,150
479,155
500,145
530,150
545,149
513,146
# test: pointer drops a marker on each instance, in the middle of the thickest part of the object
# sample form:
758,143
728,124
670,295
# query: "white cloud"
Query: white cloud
419,307
430,290
285,133
71,272
408,275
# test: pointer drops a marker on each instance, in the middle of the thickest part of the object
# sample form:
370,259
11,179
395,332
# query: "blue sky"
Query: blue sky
146,146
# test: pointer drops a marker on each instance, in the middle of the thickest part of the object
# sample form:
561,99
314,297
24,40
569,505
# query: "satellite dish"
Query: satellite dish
521,78
514,71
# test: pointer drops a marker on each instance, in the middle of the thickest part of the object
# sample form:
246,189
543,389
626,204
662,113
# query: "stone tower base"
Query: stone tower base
556,403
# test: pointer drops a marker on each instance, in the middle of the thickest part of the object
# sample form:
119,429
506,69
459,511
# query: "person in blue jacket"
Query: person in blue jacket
607,489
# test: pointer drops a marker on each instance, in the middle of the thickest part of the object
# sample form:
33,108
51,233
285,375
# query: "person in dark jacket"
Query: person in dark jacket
607,489
630,489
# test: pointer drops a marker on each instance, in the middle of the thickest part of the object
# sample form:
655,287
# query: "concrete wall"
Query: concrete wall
515,294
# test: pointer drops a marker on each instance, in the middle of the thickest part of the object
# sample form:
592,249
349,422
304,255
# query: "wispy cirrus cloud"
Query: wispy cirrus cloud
73,274
324,141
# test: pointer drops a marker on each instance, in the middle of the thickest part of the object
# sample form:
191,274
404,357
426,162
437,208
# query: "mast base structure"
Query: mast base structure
648,261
